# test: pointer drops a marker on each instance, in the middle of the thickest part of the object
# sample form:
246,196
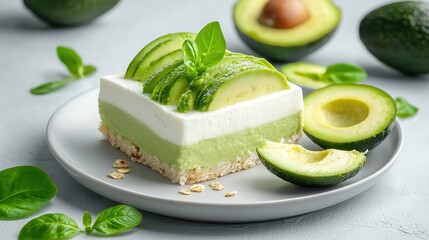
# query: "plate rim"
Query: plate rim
69,167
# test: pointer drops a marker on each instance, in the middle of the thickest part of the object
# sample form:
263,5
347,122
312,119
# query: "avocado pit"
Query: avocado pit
284,14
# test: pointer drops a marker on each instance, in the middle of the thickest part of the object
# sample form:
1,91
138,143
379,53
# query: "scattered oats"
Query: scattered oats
123,170
116,175
212,184
197,188
120,163
185,192
217,186
230,194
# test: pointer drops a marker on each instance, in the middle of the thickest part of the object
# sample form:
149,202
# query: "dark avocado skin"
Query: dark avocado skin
63,13
307,181
282,53
361,146
397,35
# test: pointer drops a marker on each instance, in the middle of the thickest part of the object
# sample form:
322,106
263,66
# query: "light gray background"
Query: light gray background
395,208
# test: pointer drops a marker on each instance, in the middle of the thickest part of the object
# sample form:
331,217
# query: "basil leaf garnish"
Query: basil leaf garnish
87,221
23,191
51,86
206,51
404,108
211,44
74,64
71,59
117,219
343,73
49,226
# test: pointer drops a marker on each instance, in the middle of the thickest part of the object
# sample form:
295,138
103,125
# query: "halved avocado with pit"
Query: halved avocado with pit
288,44
348,116
297,165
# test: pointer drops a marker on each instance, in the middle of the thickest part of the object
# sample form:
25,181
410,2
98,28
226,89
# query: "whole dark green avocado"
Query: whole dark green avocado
63,13
397,34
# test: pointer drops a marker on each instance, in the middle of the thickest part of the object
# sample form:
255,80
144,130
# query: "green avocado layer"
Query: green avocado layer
206,153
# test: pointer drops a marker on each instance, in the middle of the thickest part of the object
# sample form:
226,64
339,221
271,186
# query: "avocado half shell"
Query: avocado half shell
349,116
286,45
66,13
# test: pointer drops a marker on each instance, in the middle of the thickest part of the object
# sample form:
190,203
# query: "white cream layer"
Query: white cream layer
194,126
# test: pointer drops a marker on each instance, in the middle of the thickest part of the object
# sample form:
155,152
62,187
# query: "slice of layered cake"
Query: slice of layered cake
193,115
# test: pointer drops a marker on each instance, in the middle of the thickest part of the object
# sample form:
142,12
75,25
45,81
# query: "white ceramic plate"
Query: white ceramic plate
74,139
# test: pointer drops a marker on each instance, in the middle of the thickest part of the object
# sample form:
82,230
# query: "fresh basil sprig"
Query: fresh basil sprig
23,191
117,219
207,49
338,73
343,73
49,226
75,66
404,108
53,226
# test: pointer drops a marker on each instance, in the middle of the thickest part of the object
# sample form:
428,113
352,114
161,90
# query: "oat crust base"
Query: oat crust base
188,176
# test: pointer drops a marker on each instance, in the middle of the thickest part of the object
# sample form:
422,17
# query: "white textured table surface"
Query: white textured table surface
397,207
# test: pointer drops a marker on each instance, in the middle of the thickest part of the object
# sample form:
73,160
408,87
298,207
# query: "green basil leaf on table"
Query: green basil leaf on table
404,108
49,226
343,73
87,221
71,59
23,191
88,70
117,219
51,86
74,64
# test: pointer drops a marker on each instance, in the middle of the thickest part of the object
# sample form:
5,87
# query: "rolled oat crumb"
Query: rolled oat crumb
120,163
230,194
116,175
123,170
217,186
212,184
185,192
197,188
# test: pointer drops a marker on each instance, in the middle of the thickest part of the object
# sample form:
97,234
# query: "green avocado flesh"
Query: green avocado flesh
240,87
235,78
286,44
155,50
151,83
397,34
303,167
295,73
206,153
348,116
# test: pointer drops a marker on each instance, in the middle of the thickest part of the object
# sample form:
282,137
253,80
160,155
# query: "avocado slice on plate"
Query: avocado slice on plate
293,41
348,116
297,165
